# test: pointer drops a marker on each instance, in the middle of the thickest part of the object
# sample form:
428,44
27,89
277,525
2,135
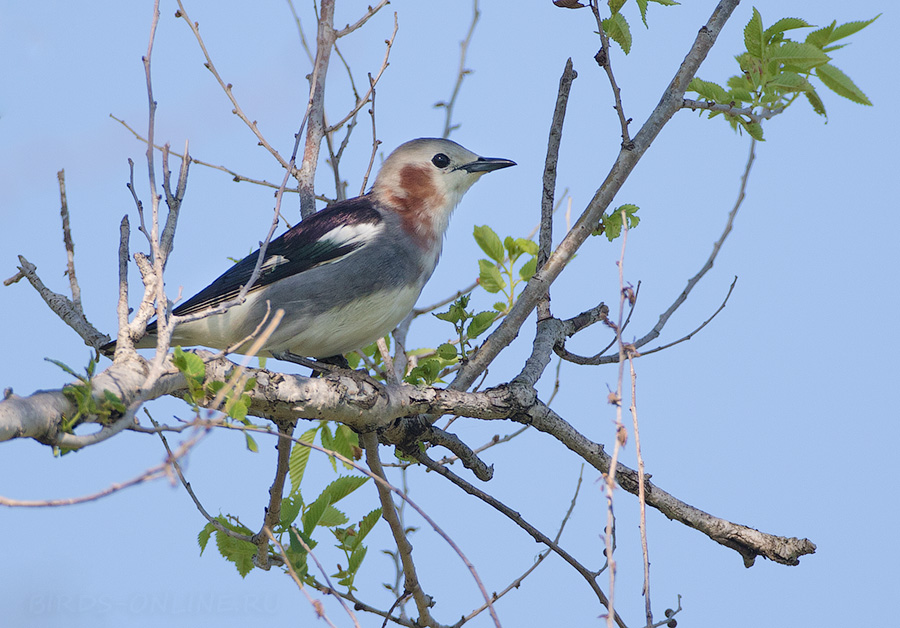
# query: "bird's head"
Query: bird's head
423,180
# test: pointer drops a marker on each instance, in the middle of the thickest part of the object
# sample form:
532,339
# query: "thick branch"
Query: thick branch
366,407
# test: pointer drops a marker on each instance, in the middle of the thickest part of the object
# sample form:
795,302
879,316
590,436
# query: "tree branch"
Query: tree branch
669,104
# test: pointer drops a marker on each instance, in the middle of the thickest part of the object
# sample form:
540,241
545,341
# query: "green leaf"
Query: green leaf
489,277
290,509
740,96
754,38
840,84
480,323
642,6
313,514
845,30
446,351
251,443
345,440
789,81
803,56
616,5
365,525
332,517
513,250
528,246
325,435
709,90
299,458
113,401
612,222
203,537
816,102
343,486
618,30
784,24
489,242
190,364
754,129
296,546
822,36
65,367
528,269
456,312
356,558
426,371
239,552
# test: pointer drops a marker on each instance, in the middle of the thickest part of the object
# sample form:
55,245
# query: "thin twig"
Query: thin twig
276,491
375,141
589,576
389,42
331,588
549,180
732,110
148,475
448,106
627,160
654,333
67,241
316,604
621,434
518,581
361,21
642,497
227,88
423,602
190,491
237,177
664,317
602,58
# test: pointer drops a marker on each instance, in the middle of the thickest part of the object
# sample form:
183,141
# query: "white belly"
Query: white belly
334,332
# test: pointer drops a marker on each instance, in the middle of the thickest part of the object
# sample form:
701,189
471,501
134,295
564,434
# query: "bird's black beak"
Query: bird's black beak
486,164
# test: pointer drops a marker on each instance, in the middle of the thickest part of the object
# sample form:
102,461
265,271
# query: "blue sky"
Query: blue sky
779,415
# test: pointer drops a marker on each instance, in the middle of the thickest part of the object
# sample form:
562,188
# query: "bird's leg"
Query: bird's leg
319,367
338,361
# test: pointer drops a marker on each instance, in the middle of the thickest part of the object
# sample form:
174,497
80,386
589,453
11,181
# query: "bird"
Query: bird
348,274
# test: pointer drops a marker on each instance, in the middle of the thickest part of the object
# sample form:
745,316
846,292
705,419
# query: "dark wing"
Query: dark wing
324,237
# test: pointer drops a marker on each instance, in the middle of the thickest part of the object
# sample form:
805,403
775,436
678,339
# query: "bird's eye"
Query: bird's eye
440,160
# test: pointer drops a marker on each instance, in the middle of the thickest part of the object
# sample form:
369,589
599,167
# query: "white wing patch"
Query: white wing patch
344,235
360,233
272,262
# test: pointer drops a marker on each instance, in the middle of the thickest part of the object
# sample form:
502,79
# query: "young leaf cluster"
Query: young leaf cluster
776,70
106,407
199,390
234,550
616,26
611,224
498,274
467,325
300,519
